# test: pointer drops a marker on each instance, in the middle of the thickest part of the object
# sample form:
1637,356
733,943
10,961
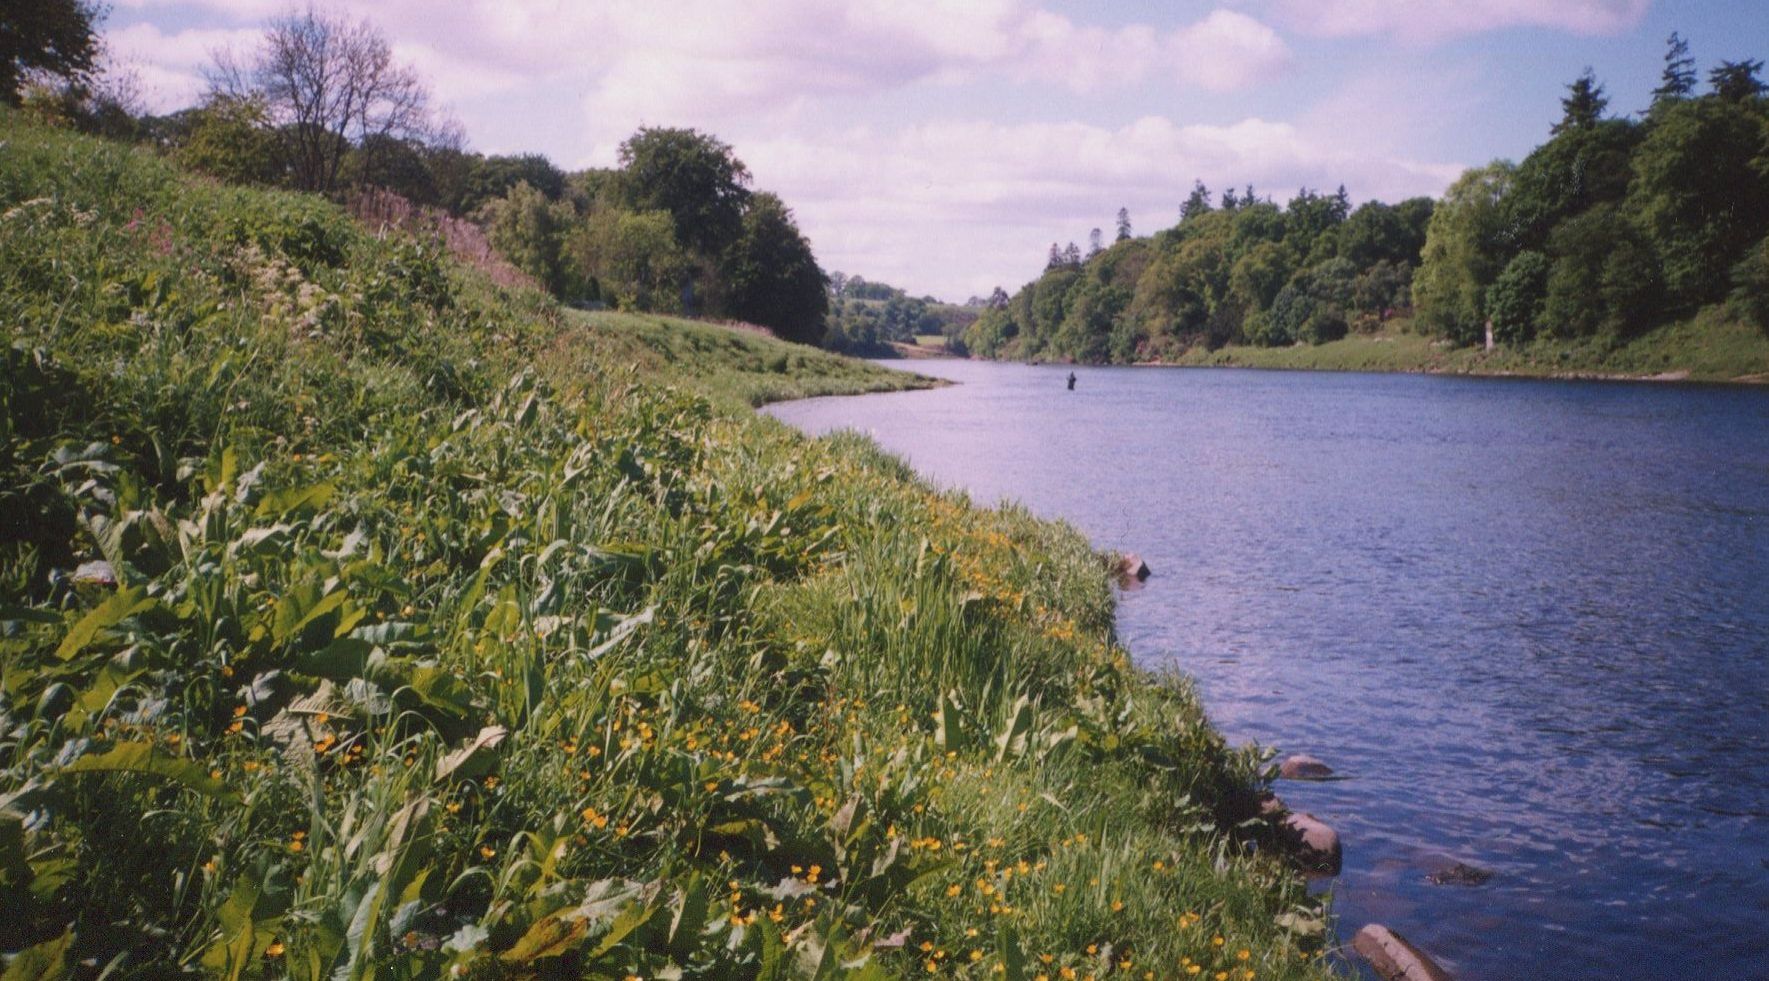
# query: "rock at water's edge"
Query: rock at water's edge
1303,767
1393,957
1315,845
1131,567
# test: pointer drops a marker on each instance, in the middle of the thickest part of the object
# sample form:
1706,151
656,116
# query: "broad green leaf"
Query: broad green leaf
550,936
47,961
621,631
120,606
475,759
1012,741
690,917
150,760
948,732
278,503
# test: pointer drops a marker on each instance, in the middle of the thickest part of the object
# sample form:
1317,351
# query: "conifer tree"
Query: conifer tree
1678,80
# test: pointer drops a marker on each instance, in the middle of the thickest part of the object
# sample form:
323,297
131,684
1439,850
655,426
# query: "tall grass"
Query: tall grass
442,632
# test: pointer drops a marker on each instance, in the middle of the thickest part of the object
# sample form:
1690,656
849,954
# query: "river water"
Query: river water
1527,621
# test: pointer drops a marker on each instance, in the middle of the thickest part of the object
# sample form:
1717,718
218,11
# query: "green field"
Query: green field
361,618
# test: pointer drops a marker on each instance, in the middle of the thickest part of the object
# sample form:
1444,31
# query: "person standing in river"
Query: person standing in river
1071,381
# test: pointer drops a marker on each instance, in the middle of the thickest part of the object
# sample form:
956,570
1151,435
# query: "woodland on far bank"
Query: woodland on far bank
1615,227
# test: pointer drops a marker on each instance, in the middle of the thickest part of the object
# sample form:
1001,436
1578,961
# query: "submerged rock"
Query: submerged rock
1303,767
1393,958
1314,844
1459,874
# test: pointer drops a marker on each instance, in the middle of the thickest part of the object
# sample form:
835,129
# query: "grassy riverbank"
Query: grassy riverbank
359,617
1707,347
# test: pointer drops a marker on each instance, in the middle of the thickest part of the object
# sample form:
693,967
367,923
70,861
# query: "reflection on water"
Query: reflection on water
1528,620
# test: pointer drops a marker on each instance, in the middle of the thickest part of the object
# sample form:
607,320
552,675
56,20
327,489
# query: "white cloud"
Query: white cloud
1227,51
955,208
641,58
171,65
1425,21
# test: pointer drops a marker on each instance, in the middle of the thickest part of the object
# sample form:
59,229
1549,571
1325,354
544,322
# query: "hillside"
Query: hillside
359,617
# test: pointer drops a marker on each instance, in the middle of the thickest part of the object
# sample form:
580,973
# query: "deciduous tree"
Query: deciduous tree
54,37
328,85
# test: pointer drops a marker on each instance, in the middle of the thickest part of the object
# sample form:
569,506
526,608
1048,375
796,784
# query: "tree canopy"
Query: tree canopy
54,37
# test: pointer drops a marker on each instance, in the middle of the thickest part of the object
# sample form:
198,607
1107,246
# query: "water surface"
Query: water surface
1527,620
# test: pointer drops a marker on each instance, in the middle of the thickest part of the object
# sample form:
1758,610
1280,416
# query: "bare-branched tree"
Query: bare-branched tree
328,85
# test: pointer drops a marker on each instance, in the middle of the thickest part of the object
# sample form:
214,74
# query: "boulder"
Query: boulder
1303,767
1314,844
1131,568
1393,958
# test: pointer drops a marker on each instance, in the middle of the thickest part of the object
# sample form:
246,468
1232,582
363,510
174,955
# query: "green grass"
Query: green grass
1707,347
455,634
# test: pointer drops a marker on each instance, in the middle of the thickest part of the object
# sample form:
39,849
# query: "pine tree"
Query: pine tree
1056,256
1197,203
1583,105
1095,240
1123,224
1229,201
1072,256
1678,81
1736,81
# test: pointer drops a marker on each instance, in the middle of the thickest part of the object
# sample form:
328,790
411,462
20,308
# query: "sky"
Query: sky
943,145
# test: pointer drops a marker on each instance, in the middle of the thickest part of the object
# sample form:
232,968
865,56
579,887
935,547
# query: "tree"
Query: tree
1123,224
1604,278
628,258
1583,105
1196,203
1750,286
1463,254
1515,298
327,85
52,37
229,139
1736,81
1678,80
1571,172
1699,193
490,178
1259,274
1375,231
694,177
526,229
1095,240
1383,288
1072,256
772,276
1056,257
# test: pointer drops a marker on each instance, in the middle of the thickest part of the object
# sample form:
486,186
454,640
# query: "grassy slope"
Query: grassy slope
458,634
732,367
1707,347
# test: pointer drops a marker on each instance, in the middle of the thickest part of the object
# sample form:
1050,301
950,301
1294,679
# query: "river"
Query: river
1527,621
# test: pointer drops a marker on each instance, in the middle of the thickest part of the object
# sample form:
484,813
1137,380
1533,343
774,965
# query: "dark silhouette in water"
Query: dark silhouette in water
1071,381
